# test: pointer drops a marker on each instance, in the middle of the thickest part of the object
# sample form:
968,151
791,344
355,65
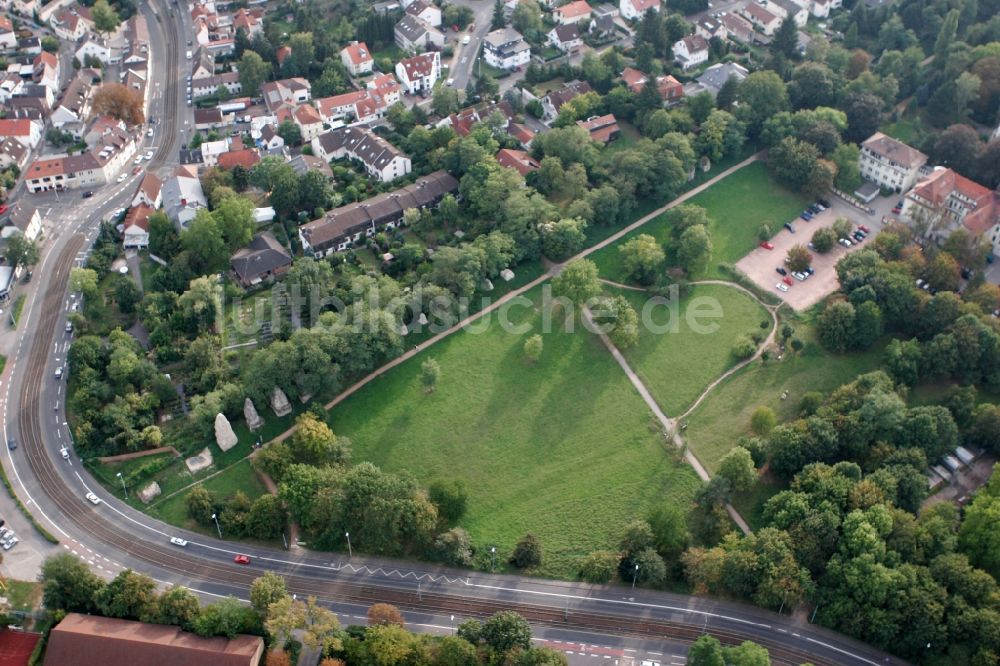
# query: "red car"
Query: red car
454,27
864,228
3,208
787,280
766,245
242,559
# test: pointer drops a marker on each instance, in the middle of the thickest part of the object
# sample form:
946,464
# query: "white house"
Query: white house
27,220
210,151
383,161
27,132
182,197
8,38
149,192
309,121
787,9
710,28
572,12
890,163
412,34
506,49
633,10
71,24
357,58
425,11
691,51
136,233
419,73
93,48
767,21
566,38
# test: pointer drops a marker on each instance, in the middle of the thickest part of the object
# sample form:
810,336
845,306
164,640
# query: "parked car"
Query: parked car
766,245
799,276
823,202
781,270
242,559
466,39
10,544
898,207
864,228
791,229
845,242
858,236
781,286
121,178
809,271
787,280
148,155
3,208
806,216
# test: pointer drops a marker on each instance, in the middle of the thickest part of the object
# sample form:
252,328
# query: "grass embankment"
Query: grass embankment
563,448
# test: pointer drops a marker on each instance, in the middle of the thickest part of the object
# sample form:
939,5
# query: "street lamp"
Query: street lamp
216,519
119,475
634,576
493,550
350,551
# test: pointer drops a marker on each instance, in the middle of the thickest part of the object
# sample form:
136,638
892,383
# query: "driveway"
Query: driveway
760,264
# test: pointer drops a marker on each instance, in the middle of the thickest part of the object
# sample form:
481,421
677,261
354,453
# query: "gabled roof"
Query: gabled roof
895,151
263,255
567,32
573,10
138,216
758,13
567,92
641,6
150,186
945,188
358,52
600,128
412,28
517,159
634,79
419,67
695,43
498,38
306,114
22,214
18,127
207,116
364,144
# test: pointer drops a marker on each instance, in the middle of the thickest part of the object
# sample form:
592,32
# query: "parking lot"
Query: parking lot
760,264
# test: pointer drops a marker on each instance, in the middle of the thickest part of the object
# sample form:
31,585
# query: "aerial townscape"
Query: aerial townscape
500,332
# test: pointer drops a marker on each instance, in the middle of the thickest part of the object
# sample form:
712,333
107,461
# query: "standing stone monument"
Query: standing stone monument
224,435
279,402
199,462
252,417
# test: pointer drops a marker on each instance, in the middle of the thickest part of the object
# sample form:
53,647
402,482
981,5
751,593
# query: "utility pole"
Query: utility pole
216,519
119,475
350,551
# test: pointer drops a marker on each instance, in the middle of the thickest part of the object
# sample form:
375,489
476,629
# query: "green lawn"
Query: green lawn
564,449
909,129
16,309
676,366
736,206
24,595
238,477
725,414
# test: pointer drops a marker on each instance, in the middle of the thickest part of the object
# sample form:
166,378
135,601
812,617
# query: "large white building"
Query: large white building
417,75
947,202
506,49
889,163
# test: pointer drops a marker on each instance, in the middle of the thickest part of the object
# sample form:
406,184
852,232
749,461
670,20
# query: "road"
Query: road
590,621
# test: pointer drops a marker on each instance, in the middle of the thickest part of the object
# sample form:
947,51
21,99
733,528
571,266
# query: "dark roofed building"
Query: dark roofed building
341,227
89,640
264,258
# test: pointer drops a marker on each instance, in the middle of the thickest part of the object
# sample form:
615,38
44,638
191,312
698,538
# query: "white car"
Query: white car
64,452
137,160
59,372
466,39
845,242
93,499
781,286
10,544
121,178
148,155
149,132
450,82
177,541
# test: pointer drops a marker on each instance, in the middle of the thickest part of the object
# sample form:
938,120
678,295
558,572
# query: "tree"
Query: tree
234,218
290,132
506,631
129,596
785,41
499,20
563,238
836,326
824,239
277,657
793,161
669,526
69,584
737,466
706,651
266,590
958,148
450,497
446,100
652,570
533,348
21,251
84,282
254,71
127,294
695,249
864,112
313,443
318,625
527,19
943,272
430,373
761,96
599,567
385,614
763,421
204,241
454,547
527,552
266,518
798,258
177,605
946,35
119,102
105,18
578,282
978,537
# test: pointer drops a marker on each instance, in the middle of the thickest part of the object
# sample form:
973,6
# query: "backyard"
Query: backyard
533,442
737,206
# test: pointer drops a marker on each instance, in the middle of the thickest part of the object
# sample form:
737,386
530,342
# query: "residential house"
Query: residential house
149,192
45,71
93,47
566,38
670,89
286,91
249,21
947,201
340,228
634,80
270,139
29,45
302,164
208,119
183,196
209,86
13,153
767,21
27,132
202,65
737,28
64,173
137,32
91,640
11,84
262,260
552,102
210,151
357,106
25,7
72,23
382,160
633,10
691,51
710,28
572,12
8,38
385,90
281,54
463,121
136,233
889,163
524,134
26,219
427,12
506,49
357,58
602,21
520,160
238,157
602,129
418,74
713,78
788,9
413,35
309,121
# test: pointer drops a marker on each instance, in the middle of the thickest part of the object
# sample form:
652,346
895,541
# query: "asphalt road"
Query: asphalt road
606,622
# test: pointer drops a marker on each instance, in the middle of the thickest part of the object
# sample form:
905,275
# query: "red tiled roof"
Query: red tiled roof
16,647
573,10
634,79
15,127
245,158
517,159
283,53
358,53
642,5
138,216
601,128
